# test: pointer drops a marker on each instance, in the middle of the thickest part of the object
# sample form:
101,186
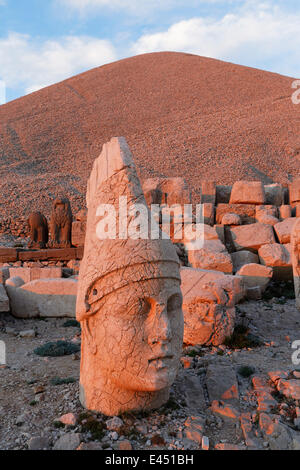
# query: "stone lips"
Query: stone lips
248,126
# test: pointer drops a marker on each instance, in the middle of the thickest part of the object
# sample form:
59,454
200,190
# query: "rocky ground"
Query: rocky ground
230,397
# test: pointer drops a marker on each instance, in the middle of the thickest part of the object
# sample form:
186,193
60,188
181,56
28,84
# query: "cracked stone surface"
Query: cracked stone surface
129,300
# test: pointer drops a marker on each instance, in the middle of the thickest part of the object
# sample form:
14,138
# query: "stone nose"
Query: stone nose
160,331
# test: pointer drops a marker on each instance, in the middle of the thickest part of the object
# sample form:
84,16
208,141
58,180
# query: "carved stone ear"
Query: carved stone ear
89,337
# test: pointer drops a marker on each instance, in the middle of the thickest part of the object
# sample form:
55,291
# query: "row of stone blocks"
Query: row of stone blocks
8,255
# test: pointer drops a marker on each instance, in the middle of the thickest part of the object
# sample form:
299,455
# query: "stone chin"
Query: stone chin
153,381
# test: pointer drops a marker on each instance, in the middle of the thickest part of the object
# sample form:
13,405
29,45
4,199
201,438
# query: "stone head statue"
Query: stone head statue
129,301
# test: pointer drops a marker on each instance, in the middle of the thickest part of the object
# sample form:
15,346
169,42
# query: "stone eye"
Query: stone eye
174,303
95,292
145,306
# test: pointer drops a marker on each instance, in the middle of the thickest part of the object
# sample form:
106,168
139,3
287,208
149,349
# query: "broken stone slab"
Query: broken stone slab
222,383
284,229
289,388
194,429
208,213
252,237
190,388
256,275
248,431
42,298
247,212
4,300
276,434
240,258
248,192
32,274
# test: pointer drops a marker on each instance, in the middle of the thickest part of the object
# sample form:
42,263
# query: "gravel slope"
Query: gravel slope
183,115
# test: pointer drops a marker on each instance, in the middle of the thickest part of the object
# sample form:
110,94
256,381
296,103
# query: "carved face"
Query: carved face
136,336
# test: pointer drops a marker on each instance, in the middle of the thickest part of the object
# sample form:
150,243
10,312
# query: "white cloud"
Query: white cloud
257,34
31,64
135,7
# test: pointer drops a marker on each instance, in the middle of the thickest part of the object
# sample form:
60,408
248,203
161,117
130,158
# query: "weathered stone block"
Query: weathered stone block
256,275
240,258
284,229
248,192
42,298
252,237
32,274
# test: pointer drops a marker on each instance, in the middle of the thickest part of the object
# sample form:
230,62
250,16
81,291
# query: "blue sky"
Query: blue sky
45,41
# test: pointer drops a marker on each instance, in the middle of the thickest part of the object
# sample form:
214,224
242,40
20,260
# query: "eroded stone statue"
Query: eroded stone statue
38,227
61,223
129,301
295,240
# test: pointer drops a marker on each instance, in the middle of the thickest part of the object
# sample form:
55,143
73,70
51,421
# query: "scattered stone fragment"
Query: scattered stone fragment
205,443
27,334
226,411
69,419
70,441
38,443
114,424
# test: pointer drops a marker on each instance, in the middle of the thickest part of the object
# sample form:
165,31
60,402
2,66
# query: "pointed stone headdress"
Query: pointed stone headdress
109,265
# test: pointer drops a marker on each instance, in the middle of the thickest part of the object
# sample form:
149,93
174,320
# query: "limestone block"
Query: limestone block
284,229
42,298
256,275
248,192
32,274
240,258
252,237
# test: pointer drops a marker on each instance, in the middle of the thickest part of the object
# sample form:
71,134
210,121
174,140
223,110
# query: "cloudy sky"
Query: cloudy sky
45,41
